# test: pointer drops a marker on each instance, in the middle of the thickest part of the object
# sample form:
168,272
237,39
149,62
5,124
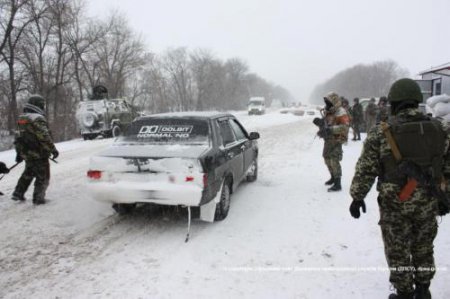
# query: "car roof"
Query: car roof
188,114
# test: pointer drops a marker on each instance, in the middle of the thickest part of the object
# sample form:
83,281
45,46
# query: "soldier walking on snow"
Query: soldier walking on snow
34,145
337,124
357,119
407,154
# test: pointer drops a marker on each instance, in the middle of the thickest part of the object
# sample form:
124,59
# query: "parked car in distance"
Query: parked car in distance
257,105
191,159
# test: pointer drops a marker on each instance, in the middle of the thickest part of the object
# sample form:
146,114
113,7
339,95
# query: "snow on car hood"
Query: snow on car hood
154,150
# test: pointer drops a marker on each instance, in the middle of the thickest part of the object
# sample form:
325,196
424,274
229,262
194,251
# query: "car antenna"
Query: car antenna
189,224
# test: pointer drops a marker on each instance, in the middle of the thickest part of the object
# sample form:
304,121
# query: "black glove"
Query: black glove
355,206
3,168
19,158
55,154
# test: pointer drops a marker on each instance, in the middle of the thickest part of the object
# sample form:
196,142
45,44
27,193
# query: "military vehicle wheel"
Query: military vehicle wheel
124,208
252,174
223,206
115,132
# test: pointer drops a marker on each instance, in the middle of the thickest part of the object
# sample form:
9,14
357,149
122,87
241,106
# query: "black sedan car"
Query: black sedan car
191,159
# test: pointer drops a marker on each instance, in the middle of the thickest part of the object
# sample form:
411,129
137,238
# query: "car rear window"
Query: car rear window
168,130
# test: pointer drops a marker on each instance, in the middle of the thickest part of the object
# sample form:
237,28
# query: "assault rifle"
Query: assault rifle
412,170
321,123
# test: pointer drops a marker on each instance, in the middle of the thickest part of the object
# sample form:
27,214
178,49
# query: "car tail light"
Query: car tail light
94,174
205,180
189,179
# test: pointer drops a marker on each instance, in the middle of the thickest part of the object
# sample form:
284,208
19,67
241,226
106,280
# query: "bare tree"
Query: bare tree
22,14
372,80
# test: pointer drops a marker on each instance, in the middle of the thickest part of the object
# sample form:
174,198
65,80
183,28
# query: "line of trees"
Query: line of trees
50,47
362,80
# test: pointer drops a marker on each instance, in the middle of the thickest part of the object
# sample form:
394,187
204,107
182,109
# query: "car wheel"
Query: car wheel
115,131
252,174
223,206
124,208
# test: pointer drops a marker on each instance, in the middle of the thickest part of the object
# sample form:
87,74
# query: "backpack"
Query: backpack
423,142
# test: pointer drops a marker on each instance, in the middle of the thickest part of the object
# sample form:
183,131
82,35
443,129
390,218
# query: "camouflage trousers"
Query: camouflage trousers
332,154
38,170
408,229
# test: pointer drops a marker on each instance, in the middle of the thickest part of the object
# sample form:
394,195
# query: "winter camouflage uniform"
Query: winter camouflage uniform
412,223
34,145
337,124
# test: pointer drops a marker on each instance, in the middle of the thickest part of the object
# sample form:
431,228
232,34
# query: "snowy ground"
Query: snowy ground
285,235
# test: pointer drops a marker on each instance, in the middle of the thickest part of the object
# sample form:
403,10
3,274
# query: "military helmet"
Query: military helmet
35,104
99,92
405,90
37,100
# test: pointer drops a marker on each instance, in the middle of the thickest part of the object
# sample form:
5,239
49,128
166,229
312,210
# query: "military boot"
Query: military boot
422,291
402,295
39,201
330,181
18,197
336,186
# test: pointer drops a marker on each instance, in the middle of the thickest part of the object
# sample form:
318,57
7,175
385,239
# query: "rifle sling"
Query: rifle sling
411,185
391,141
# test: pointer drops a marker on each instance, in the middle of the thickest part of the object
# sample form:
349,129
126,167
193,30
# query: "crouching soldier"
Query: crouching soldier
34,145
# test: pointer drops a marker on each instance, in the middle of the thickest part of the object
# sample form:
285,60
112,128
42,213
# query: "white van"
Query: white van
256,105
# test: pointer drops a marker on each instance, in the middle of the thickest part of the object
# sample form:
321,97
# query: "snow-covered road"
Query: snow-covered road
285,235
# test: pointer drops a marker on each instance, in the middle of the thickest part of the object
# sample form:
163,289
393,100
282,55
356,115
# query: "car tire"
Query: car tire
124,208
89,119
115,132
253,174
223,206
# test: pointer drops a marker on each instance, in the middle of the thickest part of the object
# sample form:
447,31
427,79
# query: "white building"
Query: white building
435,81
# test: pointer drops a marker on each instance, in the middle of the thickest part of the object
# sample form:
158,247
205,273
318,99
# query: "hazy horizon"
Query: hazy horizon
292,44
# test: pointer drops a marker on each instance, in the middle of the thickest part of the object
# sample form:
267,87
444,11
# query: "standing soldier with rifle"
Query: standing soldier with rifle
334,130
407,154
34,144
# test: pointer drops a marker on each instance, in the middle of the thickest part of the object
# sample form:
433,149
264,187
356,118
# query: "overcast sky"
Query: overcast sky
295,43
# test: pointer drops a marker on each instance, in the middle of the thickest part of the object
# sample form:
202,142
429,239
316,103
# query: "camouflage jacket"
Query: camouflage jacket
371,111
357,113
369,165
34,141
338,121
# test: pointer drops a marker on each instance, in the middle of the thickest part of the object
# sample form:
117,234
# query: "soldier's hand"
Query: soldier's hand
19,158
55,154
355,206
3,168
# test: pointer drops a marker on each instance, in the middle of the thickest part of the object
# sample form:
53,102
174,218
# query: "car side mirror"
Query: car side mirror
253,136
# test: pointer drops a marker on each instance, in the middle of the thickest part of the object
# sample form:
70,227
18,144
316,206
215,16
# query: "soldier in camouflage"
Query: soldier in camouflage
337,126
34,145
408,225
383,111
371,114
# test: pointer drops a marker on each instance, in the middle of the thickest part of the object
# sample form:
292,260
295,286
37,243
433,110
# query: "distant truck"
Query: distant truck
100,116
257,105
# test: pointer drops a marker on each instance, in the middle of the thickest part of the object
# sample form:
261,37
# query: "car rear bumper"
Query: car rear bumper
137,192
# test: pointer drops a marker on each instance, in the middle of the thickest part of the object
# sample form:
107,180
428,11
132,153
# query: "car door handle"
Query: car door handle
243,147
